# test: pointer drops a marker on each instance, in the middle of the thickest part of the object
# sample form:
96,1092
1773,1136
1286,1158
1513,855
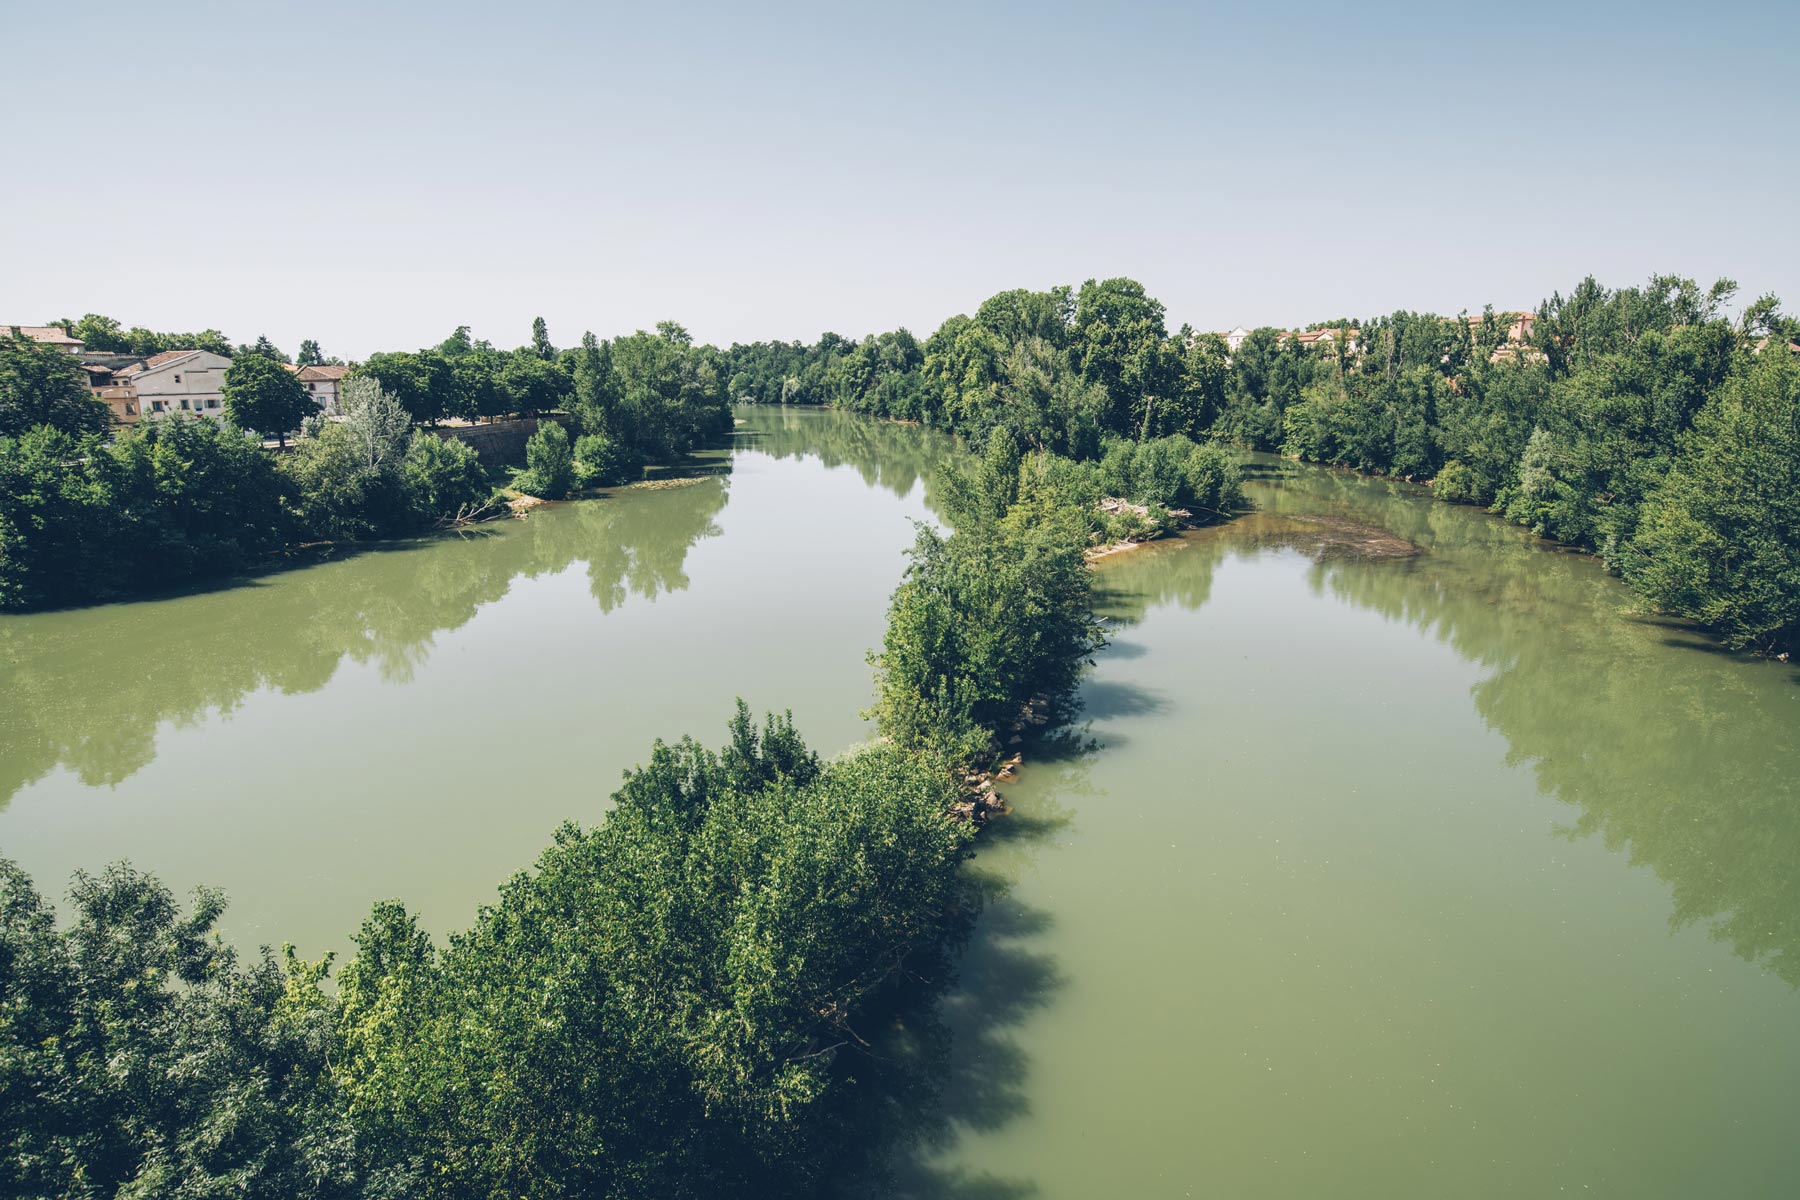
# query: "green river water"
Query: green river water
1390,873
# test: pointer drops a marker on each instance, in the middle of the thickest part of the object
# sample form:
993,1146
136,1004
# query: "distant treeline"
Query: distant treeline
1638,423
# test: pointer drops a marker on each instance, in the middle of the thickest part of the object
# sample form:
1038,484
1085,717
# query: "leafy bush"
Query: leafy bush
141,1059
340,496
1173,471
443,478
599,461
662,1007
371,475
549,464
1458,483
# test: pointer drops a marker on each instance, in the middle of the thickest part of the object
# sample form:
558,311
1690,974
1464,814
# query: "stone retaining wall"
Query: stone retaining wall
501,443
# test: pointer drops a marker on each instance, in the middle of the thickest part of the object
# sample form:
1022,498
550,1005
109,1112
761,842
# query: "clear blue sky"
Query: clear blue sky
373,175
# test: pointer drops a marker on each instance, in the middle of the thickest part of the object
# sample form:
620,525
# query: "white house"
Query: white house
178,381
1235,338
324,386
1328,336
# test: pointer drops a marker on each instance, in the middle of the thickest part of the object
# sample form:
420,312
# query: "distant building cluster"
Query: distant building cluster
174,382
1517,326
1307,338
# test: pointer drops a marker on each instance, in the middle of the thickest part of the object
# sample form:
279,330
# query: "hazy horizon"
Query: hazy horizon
373,180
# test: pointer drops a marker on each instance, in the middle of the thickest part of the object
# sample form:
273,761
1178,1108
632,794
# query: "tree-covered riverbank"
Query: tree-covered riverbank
88,514
1640,423
703,993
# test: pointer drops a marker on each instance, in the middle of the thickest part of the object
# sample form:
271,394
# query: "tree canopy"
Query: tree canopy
42,386
261,395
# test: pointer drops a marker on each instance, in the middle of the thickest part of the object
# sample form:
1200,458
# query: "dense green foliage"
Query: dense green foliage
549,464
992,617
1064,369
261,395
138,1057
40,385
661,1008
373,475
655,397
666,1006
1719,541
108,335
1088,380
82,519
1568,422
598,461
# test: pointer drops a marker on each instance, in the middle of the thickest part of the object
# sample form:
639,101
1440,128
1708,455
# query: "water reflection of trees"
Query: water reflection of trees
886,454
1685,757
87,690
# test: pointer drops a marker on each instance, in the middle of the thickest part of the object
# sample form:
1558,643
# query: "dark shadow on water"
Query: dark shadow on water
1026,824
1702,645
1261,472
1104,700
1065,744
1113,740
259,575
954,1067
958,1069
1124,650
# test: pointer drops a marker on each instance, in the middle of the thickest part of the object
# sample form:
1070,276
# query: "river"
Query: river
1432,871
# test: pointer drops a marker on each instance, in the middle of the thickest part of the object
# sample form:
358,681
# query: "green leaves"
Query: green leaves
658,1008
1720,539
262,395
994,616
137,1057
549,464
40,385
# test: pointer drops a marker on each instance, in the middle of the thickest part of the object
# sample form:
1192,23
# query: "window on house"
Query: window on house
212,404
156,406
184,406
129,411
178,379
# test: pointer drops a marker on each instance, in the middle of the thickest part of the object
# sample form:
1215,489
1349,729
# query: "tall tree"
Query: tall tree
264,347
309,355
1720,540
263,396
540,340
40,385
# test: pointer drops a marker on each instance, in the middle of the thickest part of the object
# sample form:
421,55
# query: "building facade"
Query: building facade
46,335
324,386
177,382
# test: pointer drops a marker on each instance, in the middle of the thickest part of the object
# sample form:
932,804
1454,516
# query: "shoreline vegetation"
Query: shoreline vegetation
1639,424
89,514
727,985
722,986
